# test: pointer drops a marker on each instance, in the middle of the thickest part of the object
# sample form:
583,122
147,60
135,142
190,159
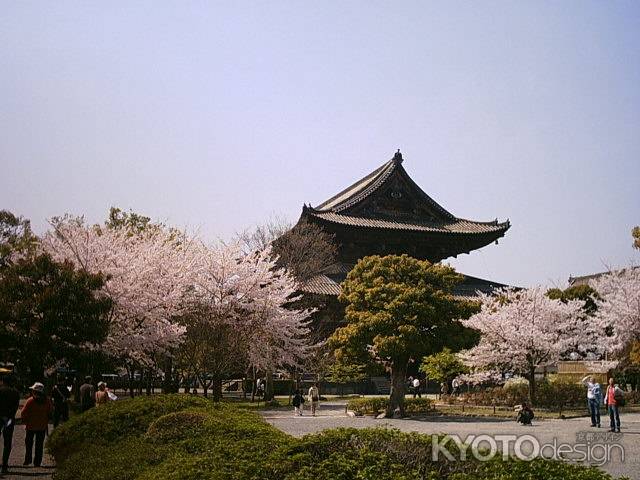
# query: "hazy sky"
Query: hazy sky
219,115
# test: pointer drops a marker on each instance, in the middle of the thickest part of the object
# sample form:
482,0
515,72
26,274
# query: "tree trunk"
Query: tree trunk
532,385
396,399
167,387
253,385
187,385
293,387
216,389
268,388
130,375
139,385
149,382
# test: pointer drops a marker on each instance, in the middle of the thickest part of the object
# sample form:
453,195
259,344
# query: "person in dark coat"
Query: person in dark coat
87,394
298,403
525,415
9,402
60,396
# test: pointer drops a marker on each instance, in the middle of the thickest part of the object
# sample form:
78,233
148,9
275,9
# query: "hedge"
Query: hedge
177,437
549,394
375,405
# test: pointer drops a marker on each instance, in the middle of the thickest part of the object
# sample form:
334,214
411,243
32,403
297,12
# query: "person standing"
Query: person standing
35,417
455,386
298,403
9,402
314,398
594,399
60,396
612,400
102,396
444,389
416,388
87,394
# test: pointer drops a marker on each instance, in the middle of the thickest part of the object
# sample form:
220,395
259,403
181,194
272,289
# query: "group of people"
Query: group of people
414,387
313,396
613,400
36,412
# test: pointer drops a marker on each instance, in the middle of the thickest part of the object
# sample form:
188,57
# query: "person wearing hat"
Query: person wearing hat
35,417
9,402
102,396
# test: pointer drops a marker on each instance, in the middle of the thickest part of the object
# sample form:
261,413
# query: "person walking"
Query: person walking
314,398
416,388
410,385
87,394
60,396
102,396
9,402
594,399
613,400
444,389
35,417
298,403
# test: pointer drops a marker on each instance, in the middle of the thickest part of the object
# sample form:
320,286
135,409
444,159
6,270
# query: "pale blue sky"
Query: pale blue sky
220,114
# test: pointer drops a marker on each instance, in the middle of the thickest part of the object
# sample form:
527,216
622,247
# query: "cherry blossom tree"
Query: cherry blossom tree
252,296
521,330
147,273
163,282
618,305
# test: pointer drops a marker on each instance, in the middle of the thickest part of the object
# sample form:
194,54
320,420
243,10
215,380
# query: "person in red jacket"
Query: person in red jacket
35,417
612,400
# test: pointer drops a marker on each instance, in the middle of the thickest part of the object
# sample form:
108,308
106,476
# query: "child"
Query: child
298,403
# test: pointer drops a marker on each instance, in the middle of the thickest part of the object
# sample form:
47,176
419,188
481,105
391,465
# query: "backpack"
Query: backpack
618,396
597,392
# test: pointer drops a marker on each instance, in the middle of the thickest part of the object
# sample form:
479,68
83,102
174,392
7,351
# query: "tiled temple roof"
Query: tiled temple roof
468,288
458,225
337,209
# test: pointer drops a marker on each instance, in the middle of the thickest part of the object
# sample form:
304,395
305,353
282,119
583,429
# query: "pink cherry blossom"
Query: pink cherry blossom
521,330
619,307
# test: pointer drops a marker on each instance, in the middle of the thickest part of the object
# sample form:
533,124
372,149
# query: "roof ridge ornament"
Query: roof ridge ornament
397,157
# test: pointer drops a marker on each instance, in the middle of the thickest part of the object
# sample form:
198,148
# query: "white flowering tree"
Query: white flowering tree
521,330
618,309
249,299
162,282
147,274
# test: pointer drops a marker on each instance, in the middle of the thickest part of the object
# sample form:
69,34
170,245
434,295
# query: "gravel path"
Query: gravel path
571,431
16,470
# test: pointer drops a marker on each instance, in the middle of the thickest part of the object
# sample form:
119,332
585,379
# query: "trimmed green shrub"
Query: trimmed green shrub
555,394
177,426
188,438
114,421
375,405
411,451
537,469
